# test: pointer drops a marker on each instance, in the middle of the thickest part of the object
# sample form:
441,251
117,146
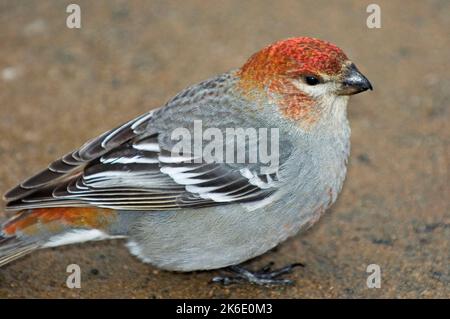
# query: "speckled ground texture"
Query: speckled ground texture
60,87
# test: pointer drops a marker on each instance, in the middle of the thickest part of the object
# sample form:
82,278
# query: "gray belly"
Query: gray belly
217,237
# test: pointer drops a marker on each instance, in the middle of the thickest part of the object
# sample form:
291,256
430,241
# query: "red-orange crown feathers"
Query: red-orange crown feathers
271,69
291,57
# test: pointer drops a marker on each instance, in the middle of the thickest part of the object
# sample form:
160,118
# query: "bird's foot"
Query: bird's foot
264,276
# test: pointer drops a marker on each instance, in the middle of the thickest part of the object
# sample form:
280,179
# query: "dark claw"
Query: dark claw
265,276
267,267
285,270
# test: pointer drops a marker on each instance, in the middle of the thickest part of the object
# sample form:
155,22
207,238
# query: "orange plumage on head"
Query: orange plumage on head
270,70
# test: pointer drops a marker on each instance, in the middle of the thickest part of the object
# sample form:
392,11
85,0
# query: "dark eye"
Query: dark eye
312,80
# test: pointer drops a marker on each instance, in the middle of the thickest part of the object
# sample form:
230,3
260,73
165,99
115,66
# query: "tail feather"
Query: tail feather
12,248
32,229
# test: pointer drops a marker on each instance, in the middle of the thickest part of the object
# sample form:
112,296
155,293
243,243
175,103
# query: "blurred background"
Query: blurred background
60,87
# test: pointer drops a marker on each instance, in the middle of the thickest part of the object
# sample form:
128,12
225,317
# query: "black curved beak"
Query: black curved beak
354,81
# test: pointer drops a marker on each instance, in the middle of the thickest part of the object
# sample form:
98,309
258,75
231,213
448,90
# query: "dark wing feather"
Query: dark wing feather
138,175
71,165
131,168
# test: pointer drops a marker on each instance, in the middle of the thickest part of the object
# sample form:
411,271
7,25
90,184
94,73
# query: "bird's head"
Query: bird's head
304,75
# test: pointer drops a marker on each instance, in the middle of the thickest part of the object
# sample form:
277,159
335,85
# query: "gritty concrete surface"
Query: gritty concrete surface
60,87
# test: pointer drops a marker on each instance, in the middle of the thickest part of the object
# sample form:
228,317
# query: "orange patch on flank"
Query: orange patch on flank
55,219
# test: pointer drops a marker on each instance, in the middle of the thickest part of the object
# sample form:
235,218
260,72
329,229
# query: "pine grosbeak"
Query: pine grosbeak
184,215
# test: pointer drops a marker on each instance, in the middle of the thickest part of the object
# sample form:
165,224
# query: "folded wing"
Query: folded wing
127,169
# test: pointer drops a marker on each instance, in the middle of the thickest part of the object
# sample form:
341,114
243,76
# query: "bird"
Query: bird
180,210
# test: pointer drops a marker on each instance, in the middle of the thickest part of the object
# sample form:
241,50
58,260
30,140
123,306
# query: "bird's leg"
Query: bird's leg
263,276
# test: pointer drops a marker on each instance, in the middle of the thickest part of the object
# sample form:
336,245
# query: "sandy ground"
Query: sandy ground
60,87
